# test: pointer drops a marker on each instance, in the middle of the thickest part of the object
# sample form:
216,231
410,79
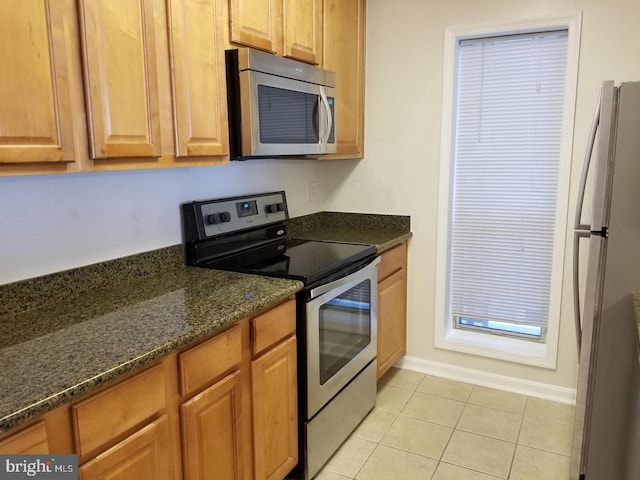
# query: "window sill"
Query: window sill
496,346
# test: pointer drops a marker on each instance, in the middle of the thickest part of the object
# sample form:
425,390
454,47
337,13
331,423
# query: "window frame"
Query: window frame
446,336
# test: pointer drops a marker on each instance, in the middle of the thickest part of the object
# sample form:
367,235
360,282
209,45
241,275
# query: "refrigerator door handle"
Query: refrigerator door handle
585,170
576,285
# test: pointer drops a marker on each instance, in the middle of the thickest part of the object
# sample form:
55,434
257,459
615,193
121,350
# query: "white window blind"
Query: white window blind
506,153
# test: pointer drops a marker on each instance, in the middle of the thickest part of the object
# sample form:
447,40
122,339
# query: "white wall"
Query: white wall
402,137
50,223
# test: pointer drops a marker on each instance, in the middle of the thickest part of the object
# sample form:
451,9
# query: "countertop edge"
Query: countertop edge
393,243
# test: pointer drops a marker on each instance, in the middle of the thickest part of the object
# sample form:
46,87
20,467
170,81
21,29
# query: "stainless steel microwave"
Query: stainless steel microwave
278,107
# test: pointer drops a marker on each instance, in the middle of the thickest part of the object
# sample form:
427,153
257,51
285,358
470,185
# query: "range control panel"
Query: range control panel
239,213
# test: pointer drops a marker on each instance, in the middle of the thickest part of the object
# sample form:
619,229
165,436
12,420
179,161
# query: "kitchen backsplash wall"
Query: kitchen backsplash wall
50,223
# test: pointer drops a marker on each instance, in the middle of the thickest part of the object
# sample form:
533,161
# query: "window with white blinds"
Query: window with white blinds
507,129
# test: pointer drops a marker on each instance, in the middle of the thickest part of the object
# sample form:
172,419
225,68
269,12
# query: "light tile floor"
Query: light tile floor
430,428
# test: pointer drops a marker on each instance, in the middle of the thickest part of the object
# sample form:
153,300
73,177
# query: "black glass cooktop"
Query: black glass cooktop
306,260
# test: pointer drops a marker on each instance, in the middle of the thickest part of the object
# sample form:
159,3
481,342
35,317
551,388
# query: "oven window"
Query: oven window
345,328
287,116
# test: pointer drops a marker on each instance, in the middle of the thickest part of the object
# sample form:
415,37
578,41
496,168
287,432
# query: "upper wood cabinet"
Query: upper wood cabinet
302,30
198,74
121,77
256,23
290,28
344,53
39,87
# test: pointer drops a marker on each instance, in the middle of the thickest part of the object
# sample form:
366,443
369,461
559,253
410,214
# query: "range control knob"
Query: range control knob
275,207
213,219
225,217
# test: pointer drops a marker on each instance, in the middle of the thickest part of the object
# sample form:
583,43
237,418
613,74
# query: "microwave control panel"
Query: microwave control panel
240,213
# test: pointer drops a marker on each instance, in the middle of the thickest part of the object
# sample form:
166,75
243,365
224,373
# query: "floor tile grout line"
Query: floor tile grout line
544,451
473,470
515,450
366,460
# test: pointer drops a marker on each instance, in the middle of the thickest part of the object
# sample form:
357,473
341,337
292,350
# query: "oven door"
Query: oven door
282,116
341,333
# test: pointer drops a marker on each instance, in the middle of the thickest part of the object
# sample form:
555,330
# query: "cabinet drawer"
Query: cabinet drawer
272,326
112,412
205,362
31,440
392,261
146,454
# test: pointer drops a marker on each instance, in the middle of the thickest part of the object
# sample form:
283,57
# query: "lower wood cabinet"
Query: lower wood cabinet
212,436
392,308
224,409
275,411
145,454
31,440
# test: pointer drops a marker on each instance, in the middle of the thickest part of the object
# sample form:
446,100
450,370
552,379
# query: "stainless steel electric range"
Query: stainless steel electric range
336,310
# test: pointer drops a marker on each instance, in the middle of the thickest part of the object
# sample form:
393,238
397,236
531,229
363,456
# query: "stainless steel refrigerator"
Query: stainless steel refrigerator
606,415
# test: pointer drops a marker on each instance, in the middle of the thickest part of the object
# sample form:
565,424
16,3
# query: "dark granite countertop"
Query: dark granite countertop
66,334
383,231
63,349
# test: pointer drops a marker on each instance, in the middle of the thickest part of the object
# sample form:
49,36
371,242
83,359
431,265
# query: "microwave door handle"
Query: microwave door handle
325,102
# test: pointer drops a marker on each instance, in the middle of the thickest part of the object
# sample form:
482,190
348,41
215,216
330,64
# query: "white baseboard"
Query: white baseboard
485,379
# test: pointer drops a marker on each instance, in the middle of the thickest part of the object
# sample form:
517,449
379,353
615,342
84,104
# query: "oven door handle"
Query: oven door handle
363,272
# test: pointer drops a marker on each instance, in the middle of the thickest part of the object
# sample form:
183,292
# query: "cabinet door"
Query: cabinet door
392,320
275,412
211,432
35,116
256,23
32,440
120,77
343,52
199,78
302,30
145,454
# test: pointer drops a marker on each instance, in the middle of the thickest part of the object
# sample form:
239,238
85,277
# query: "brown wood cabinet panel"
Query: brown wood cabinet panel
121,78
144,455
212,436
112,412
302,30
344,53
256,23
207,361
392,261
392,307
275,412
199,84
273,326
31,440
36,118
